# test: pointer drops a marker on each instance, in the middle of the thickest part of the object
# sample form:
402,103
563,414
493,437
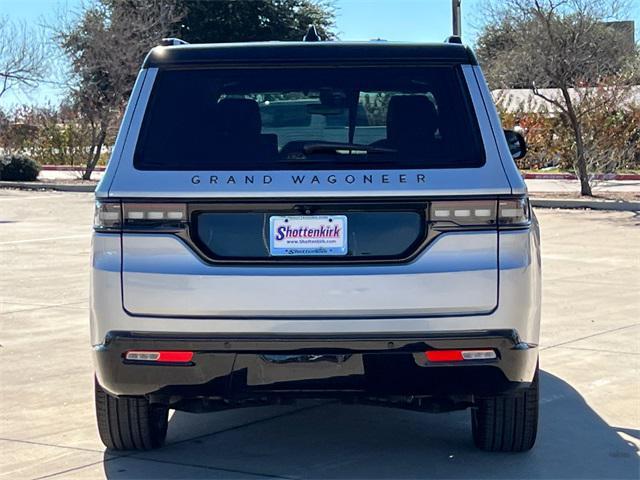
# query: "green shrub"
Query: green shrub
19,168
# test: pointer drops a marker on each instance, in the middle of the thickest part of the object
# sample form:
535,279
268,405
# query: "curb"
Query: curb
568,203
571,176
535,202
68,168
60,187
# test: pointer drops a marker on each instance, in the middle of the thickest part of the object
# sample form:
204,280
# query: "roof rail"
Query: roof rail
453,39
166,42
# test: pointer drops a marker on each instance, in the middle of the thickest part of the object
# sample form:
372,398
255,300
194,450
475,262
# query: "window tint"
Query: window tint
297,118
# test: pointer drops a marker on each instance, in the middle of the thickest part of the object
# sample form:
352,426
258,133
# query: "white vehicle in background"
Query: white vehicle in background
326,220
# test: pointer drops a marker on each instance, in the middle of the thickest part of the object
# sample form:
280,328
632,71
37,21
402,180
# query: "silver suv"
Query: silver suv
324,220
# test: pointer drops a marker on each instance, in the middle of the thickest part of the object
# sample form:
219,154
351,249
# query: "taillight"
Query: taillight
459,355
514,212
506,213
118,216
107,216
161,216
161,356
476,213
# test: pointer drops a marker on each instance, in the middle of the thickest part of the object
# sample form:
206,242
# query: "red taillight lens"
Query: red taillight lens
444,355
459,355
175,357
166,356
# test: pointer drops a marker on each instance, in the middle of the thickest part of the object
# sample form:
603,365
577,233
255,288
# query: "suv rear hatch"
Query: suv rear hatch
403,259
394,143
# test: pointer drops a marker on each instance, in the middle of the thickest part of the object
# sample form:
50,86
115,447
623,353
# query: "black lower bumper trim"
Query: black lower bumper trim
240,367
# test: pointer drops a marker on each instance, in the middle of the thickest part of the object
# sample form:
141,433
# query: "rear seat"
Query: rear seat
237,130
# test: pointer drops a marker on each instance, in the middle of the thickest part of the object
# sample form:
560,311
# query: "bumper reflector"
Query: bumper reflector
166,356
459,355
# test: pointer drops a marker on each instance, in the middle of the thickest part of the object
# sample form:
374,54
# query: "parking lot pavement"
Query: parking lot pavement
590,357
573,186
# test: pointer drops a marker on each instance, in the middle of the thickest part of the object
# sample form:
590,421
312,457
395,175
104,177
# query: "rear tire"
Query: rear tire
507,423
130,423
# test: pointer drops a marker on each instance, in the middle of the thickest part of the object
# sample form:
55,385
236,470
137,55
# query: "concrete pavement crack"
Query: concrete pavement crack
74,469
208,467
248,424
42,444
140,455
35,306
166,462
599,350
589,336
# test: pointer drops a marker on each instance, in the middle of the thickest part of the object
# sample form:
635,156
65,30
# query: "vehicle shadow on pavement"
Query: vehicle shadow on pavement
330,440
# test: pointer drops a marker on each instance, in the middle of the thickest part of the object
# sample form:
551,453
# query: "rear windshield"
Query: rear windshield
309,118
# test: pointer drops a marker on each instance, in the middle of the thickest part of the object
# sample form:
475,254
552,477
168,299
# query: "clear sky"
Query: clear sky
409,20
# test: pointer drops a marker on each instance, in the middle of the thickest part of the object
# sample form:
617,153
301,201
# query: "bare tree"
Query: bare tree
106,46
565,45
23,56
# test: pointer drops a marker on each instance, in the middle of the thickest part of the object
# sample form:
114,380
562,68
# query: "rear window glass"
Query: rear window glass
309,118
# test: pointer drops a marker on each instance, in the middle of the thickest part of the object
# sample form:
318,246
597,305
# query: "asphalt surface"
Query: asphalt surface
590,358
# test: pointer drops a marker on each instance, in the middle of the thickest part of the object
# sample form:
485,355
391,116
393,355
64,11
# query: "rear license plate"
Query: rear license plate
308,235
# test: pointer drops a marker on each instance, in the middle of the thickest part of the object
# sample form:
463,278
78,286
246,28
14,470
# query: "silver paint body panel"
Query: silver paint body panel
456,274
470,281
518,290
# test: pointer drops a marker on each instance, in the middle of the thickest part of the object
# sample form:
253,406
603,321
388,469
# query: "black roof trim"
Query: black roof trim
307,53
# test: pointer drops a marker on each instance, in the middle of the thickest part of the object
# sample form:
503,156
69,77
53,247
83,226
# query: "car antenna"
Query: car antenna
312,35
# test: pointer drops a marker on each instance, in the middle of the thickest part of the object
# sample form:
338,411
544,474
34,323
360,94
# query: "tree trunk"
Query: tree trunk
95,154
581,159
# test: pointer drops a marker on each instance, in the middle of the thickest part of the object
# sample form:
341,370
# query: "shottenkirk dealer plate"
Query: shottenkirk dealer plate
308,235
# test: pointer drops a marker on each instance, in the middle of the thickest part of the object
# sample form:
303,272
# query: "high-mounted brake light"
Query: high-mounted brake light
161,356
459,355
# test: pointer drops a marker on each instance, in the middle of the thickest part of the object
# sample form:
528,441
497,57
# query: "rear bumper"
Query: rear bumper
238,367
